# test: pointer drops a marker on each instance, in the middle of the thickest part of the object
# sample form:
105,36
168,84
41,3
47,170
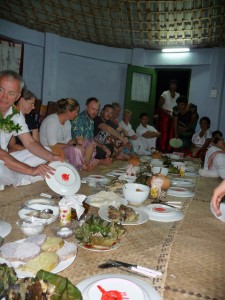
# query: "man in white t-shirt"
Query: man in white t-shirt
25,166
147,134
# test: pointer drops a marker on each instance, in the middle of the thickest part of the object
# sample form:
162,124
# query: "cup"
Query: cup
64,215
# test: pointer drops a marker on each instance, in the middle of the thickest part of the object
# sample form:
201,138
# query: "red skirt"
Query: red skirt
165,127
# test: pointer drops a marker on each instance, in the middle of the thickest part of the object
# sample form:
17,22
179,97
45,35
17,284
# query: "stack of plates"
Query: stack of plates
133,287
182,182
163,213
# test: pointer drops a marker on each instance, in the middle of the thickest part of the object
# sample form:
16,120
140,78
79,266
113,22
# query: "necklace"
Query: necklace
7,124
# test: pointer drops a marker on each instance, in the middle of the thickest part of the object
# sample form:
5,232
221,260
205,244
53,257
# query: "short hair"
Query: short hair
173,81
206,119
27,94
66,104
116,104
107,106
217,132
143,115
182,99
126,110
89,100
13,75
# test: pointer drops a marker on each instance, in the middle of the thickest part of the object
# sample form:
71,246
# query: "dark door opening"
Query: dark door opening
183,77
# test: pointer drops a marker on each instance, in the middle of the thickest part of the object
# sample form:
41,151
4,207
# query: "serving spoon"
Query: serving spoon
46,210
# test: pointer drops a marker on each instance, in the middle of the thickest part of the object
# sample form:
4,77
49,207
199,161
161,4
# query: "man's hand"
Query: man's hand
217,196
42,170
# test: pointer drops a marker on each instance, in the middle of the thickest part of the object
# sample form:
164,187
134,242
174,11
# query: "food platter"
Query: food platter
62,265
65,180
98,248
27,214
163,213
179,192
142,218
149,292
5,228
182,182
105,198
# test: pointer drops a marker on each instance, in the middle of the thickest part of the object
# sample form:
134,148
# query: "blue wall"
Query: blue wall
56,67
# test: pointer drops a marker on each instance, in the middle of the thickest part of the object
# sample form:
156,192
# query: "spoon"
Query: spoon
46,210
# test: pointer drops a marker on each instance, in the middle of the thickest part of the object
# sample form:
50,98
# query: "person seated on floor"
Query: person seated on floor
116,112
25,105
106,134
214,165
55,131
185,118
83,126
130,133
24,166
217,197
147,135
202,138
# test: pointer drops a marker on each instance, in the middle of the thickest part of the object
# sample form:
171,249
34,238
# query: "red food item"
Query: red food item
110,295
65,177
161,209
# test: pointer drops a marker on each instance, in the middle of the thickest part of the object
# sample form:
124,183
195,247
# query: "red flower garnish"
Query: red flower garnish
161,209
65,177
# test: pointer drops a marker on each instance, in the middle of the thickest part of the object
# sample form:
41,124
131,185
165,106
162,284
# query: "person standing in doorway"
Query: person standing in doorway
167,102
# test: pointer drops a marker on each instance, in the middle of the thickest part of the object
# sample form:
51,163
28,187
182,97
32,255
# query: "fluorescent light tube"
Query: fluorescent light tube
170,50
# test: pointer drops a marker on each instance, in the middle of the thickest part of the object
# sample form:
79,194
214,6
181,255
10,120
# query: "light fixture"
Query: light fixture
171,50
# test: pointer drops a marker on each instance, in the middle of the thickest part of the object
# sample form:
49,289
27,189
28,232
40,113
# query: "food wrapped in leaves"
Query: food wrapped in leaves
123,214
97,232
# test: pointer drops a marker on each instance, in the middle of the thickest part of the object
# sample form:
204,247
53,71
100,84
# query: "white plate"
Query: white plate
22,274
98,249
97,178
66,179
43,201
5,228
132,290
106,201
149,292
142,218
182,182
118,172
168,214
127,178
179,192
23,213
190,174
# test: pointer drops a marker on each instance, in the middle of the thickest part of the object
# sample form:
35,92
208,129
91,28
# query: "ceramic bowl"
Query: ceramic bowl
135,193
161,170
32,227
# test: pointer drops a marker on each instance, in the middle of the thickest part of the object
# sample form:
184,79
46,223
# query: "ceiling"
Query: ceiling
124,23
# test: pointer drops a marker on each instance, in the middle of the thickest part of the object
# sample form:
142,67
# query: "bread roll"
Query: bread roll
52,244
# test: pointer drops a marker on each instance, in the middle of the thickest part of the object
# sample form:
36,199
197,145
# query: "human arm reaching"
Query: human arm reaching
218,194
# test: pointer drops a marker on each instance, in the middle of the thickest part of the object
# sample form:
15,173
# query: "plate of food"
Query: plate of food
182,182
32,254
105,198
5,228
36,212
163,213
98,235
65,180
123,214
179,192
148,291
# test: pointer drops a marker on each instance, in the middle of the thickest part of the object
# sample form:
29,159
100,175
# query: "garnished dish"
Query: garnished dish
123,214
98,235
105,198
44,286
34,253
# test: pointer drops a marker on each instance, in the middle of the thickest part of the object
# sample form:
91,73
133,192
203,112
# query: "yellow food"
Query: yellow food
52,244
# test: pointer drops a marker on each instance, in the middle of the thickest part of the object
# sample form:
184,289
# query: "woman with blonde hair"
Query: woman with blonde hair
55,132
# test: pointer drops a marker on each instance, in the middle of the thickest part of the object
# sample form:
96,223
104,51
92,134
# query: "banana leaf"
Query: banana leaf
64,289
7,277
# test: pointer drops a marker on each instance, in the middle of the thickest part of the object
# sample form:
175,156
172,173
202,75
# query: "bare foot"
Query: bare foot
105,161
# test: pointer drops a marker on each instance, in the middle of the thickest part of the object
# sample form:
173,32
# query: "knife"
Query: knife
136,268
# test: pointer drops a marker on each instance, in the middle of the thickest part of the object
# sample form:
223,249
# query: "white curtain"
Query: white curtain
140,90
10,55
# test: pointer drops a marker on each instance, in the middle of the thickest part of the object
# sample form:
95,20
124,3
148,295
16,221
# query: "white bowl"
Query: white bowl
135,193
30,228
177,164
161,170
222,209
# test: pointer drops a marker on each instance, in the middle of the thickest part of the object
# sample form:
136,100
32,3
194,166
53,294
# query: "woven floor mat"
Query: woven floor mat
197,261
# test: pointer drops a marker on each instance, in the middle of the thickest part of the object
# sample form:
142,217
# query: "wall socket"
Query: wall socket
213,93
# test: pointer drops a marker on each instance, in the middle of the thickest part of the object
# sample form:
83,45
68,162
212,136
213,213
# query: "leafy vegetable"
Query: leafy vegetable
7,278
